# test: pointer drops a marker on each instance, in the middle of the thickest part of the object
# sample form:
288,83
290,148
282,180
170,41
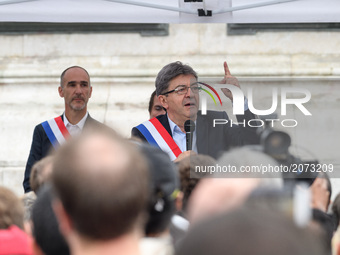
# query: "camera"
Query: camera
276,144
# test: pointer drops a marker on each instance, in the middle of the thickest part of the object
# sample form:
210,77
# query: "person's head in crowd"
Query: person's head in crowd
41,172
336,219
46,234
13,240
323,226
189,177
163,188
227,189
28,200
172,83
155,106
336,243
11,209
336,210
246,231
101,184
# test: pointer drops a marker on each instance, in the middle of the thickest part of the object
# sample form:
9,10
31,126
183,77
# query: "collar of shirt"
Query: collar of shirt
80,124
180,137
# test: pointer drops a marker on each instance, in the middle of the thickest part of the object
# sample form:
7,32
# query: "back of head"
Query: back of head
336,209
101,181
170,71
163,185
153,94
189,177
323,225
40,173
45,226
28,200
11,209
249,231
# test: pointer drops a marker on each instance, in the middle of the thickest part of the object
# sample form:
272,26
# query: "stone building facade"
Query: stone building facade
123,67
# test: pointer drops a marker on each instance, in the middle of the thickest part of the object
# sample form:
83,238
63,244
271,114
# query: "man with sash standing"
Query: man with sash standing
178,91
76,89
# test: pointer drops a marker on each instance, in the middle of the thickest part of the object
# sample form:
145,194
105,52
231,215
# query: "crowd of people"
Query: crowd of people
89,191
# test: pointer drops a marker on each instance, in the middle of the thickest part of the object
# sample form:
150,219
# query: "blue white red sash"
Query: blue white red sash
56,131
157,135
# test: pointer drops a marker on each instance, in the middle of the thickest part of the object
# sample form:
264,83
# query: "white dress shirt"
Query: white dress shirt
76,129
180,137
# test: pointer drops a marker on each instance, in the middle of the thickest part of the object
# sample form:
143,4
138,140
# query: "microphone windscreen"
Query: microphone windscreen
189,126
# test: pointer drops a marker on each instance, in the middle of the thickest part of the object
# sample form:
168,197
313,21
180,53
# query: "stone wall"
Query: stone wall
123,67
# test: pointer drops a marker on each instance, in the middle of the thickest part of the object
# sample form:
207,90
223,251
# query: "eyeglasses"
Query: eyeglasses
182,89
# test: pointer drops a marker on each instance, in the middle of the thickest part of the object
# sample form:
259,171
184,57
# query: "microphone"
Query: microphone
189,127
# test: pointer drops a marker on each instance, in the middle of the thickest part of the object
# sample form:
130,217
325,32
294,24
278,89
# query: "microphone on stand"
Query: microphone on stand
189,127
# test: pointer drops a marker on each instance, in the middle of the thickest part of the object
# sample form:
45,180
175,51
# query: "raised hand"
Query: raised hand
228,79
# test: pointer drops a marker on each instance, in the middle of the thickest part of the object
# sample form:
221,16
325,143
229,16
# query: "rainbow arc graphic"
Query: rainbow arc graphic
209,93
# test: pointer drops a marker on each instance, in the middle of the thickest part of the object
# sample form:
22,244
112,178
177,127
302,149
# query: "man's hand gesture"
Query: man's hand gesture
229,79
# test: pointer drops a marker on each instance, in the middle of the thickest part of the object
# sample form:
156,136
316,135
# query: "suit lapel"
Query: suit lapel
163,119
88,120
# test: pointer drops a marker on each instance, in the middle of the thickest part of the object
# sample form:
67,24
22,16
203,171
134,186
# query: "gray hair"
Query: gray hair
170,71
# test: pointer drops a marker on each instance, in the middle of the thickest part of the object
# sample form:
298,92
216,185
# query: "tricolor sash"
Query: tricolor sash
56,131
157,135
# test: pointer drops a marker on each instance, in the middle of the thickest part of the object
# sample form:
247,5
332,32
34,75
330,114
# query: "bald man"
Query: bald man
75,87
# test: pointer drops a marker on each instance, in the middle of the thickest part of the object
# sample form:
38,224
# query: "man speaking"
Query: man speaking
178,91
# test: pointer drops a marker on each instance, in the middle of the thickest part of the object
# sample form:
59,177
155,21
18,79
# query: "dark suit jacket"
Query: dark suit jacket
211,140
41,146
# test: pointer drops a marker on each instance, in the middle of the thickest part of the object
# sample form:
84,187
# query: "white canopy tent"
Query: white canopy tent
170,11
